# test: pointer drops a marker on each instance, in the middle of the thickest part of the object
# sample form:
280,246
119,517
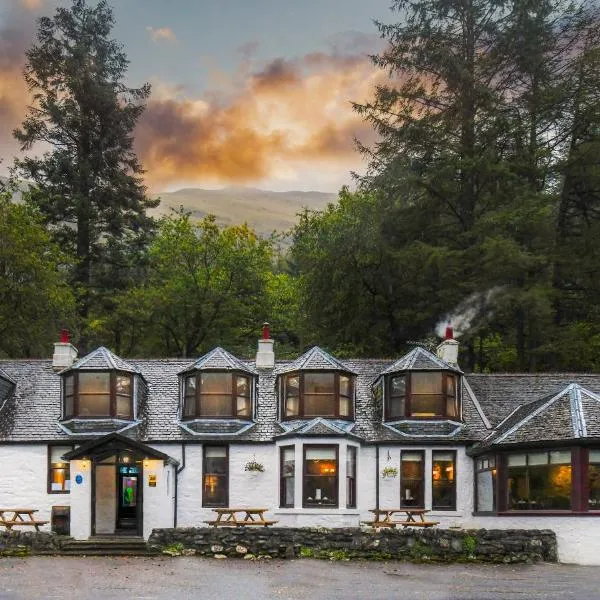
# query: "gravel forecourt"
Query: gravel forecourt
82,578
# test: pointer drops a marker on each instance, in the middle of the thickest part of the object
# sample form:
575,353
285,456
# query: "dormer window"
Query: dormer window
317,394
422,394
97,394
213,394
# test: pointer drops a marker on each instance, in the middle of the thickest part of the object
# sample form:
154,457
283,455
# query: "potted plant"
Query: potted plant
389,472
253,466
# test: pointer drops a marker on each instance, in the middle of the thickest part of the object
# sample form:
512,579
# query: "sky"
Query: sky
244,92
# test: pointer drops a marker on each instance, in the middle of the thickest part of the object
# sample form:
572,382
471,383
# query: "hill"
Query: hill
263,210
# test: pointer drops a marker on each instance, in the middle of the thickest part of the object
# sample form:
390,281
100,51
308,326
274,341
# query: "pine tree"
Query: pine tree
88,185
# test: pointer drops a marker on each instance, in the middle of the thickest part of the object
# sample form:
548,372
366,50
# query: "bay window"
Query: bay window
98,394
443,475
213,394
412,471
215,476
317,394
422,394
320,485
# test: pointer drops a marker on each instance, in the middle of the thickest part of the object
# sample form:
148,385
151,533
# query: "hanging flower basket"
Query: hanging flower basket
254,466
389,472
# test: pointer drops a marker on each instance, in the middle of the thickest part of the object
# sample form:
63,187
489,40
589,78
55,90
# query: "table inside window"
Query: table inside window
20,517
384,518
240,517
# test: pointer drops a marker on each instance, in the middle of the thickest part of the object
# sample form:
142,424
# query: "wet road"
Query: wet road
125,578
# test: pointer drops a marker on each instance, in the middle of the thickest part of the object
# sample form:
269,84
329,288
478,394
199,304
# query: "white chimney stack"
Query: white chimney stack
265,357
64,352
448,349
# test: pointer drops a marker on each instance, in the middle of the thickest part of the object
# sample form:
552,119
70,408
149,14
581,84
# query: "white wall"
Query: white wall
81,499
23,481
157,501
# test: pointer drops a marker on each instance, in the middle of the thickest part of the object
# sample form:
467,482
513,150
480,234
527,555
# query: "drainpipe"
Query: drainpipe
177,471
377,477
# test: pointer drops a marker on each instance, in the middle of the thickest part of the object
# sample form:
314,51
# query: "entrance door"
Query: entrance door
127,500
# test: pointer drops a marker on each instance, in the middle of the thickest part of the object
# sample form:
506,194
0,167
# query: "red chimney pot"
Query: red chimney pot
449,333
64,336
266,332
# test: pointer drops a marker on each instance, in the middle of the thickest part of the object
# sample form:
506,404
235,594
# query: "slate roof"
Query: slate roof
572,414
219,359
420,359
101,359
32,412
315,359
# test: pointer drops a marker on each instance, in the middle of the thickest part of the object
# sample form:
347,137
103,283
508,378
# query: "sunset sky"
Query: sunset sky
245,92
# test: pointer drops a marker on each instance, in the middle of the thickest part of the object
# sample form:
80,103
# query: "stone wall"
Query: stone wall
22,543
518,545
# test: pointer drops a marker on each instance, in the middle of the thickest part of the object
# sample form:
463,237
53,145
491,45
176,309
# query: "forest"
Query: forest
480,206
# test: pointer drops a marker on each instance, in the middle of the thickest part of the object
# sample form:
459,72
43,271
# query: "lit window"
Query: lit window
443,493
412,479
320,476
215,476
540,480
59,473
322,394
288,476
212,394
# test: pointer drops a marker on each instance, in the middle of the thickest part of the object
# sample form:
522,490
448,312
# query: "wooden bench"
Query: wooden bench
417,523
376,524
264,523
20,517
228,517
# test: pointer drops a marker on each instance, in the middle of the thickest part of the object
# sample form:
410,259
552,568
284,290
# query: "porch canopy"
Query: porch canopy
115,443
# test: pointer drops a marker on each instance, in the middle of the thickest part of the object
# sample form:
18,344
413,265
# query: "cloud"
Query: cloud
31,4
280,122
161,33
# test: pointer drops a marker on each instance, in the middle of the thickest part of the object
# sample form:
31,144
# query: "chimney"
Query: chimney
448,349
265,357
64,352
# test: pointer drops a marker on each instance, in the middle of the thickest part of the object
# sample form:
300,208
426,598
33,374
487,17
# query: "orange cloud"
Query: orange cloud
161,33
290,116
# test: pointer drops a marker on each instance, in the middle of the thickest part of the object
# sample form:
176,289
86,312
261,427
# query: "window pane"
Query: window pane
451,406
292,393
537,458
320,454
517,460
215,383
69,406
560,457
443,476
124,406
94,405
190,386
319,383
486,490
56,453
351,477
396,409
94,383
69,386
345,407
123,384
189,406
450,385
319,405
214,491
398,386
216,405
594,480
345,385
288,468
426,406
243,386
320,481
411,479
292,384
426,383
291,406
60,478
215,451
243,406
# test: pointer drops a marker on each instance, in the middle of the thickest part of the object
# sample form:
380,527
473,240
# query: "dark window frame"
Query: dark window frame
112,395
50,468
409,396
421,499
205,503
282,477
452,507
351,487
305,447
197,414
301,409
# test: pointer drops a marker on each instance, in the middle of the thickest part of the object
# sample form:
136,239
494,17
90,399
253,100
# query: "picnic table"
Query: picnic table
384,518
240,517
20,517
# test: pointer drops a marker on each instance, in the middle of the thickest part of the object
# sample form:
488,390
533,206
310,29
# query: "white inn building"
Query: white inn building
134,445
